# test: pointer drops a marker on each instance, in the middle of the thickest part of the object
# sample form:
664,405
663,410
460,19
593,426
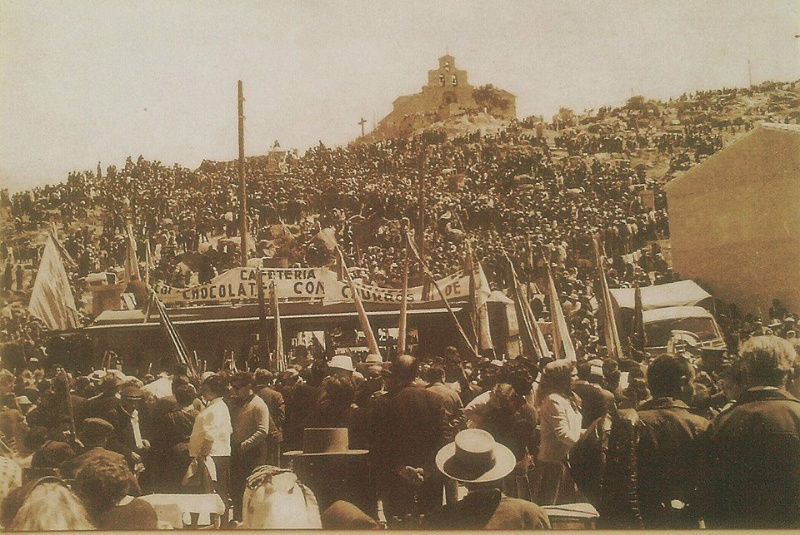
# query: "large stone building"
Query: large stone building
446,94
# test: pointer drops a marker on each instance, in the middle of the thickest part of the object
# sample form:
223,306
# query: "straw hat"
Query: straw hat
475,457
372,358
343,362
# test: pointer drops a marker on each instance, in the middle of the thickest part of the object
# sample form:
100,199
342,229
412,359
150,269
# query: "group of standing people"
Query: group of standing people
499,441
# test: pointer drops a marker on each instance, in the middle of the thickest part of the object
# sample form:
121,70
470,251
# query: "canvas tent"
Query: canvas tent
674,294
735,220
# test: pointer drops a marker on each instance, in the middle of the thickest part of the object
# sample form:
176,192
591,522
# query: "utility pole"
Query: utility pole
362,122
242,183
749,72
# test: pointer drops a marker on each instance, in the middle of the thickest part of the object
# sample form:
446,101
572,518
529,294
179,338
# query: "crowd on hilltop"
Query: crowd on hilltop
514,192
665,442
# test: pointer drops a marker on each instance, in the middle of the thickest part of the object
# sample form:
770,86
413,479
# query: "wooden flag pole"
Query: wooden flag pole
372,343
402,327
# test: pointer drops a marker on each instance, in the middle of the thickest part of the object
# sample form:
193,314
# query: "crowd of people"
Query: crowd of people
514,192
699,438
675,441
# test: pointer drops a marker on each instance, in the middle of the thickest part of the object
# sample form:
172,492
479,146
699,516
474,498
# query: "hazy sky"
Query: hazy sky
82,81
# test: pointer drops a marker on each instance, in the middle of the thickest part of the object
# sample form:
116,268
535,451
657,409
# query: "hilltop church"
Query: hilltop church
446,94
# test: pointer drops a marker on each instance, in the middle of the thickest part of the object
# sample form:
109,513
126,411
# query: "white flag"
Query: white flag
52,300
564,349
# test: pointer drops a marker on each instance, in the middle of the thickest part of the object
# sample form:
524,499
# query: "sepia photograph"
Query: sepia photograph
399,265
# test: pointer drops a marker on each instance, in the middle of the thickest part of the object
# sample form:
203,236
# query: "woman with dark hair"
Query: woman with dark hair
103,483
512,423
335,406
560,428
171,441
301,401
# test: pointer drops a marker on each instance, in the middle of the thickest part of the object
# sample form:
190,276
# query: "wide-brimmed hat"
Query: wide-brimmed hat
319,441
97,376
372,358
475,457
342,362
372,365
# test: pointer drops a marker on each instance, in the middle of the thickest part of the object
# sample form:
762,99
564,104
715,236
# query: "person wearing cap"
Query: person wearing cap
54,450
753,449
410,427
788,327
106,403
711,360
477,461
95,434
129,439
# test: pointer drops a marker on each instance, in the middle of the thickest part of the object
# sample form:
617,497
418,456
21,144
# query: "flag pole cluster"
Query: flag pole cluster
177,343
610,330
534,344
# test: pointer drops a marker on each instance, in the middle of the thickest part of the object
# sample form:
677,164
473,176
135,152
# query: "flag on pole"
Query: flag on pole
65,256
372,343
52,300
479,291
473,305
533,345
131,262
465,339
280,356
564,349
610,330
148,262
178,346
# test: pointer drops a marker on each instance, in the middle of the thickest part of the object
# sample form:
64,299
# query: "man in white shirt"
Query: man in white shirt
211,434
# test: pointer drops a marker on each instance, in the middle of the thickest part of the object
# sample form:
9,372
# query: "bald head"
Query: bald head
404,369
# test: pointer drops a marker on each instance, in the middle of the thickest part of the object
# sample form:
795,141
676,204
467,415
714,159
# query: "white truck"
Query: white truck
679,306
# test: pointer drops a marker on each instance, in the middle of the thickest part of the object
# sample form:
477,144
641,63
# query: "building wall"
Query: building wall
735,221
